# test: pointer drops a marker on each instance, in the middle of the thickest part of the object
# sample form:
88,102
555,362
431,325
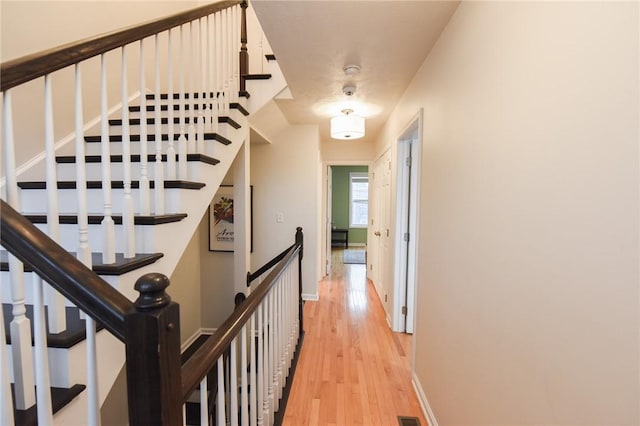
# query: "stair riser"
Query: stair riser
145,236
210,147
34,201
67,171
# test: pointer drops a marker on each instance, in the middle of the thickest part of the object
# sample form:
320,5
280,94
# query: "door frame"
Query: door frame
325,261
406,254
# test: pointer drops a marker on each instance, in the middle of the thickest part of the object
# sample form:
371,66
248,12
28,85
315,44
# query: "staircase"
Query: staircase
126,204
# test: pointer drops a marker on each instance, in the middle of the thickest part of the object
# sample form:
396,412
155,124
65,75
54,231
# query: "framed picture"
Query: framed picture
221,220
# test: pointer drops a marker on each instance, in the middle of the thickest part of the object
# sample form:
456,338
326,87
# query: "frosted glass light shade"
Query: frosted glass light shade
347,126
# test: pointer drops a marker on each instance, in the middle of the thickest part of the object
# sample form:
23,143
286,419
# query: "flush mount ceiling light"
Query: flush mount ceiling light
347,126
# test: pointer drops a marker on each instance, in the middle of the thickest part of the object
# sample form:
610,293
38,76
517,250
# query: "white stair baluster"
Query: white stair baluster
93,398
127,209
43,385
158,170
6,404
260,332
84,249
244,385
19,328
108,226
57,320
171,150
224,60
273,369
253,362
211,89
234,54
204,402
191,138
201,95
145,202
218,59
233,386
182,140
206,110
220,401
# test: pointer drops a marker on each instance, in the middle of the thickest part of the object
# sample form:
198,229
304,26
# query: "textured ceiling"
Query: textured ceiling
314,40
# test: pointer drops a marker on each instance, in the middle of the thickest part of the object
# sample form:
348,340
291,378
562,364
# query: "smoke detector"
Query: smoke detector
350,70
349,90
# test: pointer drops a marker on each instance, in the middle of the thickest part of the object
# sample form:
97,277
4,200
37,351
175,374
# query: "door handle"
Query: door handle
377,233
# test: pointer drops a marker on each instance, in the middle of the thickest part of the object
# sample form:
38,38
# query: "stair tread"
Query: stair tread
74,334
152,137
256,76
60,397
96,219
165,120
270,57
135,158
115,184
121,266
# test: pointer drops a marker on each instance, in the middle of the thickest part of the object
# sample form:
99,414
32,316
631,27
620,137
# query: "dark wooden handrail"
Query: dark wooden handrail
203,360
251,277
64,272
30,67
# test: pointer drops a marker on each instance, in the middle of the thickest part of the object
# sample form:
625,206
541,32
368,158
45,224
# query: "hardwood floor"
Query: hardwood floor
352,369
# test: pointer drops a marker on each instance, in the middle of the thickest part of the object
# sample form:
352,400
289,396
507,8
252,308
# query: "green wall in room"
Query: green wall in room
340,201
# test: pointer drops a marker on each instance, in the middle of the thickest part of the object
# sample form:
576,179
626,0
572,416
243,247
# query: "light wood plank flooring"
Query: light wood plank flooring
352,369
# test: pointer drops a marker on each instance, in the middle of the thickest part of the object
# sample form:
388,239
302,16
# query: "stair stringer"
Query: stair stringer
263,91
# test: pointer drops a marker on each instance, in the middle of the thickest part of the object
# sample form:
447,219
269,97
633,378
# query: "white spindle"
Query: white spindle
234,53
201,95
218,58
260,332
277,378
93,400
171,150
211,89
43,393
145,202
158,170
127,209
19,327
108,226
204,402
244,384
224,59
182,140
273,369
233,385
57,320
206,75
191,138
84,249
6,404
220,402
253,363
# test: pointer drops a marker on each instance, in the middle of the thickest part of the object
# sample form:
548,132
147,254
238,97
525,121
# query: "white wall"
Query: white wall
285,178
528,264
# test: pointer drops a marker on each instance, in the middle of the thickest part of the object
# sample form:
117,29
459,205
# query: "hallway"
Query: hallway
352,369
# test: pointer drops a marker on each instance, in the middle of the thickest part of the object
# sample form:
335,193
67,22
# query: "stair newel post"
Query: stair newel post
152,333
201,95
108,226
171,150
300,242
191,138
57,318
145,201
127,213
19,328
182,140
158,170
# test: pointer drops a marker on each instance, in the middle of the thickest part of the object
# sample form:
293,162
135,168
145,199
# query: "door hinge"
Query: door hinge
408,161
404,310
406,237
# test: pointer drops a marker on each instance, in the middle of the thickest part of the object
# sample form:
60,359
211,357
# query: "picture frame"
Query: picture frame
221,220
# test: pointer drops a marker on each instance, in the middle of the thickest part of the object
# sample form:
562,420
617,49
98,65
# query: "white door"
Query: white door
381,179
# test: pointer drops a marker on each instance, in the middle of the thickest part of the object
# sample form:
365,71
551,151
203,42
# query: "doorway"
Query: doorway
407,226
345,207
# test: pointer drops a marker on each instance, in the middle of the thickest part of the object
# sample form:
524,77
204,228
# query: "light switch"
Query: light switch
279,217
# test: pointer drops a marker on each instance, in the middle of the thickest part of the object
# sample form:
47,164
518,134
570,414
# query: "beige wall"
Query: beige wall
528,264
340,150
285,178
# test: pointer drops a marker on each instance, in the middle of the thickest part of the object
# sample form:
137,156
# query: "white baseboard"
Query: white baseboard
312,297
424,404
